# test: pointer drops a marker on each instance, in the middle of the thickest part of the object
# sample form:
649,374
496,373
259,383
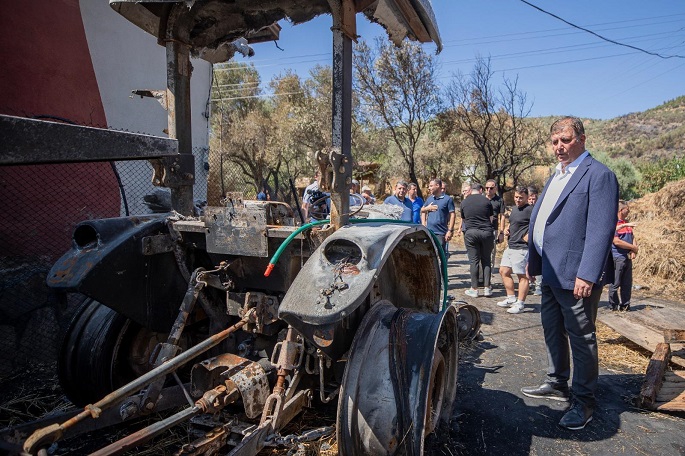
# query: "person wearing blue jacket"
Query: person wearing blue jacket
571,231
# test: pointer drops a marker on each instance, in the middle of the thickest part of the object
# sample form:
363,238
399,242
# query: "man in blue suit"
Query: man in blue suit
572,229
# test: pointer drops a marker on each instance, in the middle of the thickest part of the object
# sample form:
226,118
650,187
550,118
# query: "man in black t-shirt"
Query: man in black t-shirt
498,210
515,258
476,212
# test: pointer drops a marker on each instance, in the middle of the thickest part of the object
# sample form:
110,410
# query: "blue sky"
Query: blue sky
563,70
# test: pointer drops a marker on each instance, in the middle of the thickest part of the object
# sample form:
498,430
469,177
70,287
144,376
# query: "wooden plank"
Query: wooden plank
658,318
670,394
674,377
642,335
655,375
674,335
671,388
670,406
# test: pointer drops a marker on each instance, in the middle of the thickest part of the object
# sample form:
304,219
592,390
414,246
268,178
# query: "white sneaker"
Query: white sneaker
487,291
507,302
537,292
471,292
517,307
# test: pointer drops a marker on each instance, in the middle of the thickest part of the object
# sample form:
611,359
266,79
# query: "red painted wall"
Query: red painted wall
46,70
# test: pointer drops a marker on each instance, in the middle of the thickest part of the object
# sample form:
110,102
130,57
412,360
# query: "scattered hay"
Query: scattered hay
619,354
659,232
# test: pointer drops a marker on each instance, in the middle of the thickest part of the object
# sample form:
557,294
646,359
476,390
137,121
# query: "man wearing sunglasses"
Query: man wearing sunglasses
571,231
498,209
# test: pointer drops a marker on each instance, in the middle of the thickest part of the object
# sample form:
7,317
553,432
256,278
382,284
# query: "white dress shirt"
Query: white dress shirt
562,175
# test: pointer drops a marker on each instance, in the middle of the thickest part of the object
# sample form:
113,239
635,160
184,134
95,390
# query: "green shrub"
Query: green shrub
657,174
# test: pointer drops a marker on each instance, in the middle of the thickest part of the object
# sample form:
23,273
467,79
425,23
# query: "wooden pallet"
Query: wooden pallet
646,328
664,390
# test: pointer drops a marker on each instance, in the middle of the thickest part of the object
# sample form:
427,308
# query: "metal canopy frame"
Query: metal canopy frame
206,28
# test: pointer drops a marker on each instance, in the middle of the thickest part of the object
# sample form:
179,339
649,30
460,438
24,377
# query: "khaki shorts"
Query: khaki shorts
516,259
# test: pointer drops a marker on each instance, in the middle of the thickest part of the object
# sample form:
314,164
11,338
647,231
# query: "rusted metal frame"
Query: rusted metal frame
179,70
344,29
211,401
147,433
361,5
256,440
31,142
170,349
46,436
322,393
290,356
413,20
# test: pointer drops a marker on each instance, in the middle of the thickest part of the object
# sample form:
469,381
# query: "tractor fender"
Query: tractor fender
354,268
127,264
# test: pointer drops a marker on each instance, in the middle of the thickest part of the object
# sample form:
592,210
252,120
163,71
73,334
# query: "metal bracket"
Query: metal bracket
173,172
154,245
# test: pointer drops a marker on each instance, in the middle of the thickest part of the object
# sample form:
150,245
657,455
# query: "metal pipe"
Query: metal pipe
147,433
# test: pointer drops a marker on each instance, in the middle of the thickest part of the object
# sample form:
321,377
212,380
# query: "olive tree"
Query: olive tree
491,123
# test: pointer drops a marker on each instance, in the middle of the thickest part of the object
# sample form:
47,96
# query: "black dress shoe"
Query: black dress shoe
576,417
625,308
547,391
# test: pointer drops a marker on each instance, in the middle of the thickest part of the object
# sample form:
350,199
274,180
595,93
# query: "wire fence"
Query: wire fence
41,205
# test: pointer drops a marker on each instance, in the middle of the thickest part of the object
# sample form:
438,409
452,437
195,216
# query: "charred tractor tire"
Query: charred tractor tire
400,381
95,356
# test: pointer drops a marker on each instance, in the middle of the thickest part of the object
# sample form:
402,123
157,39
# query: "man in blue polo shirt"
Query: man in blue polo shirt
400,199
437,214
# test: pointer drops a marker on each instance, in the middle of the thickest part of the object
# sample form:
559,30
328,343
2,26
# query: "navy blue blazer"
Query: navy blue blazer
579,230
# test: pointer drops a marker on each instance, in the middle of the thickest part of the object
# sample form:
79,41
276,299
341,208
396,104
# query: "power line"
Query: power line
602,37
258,96
519,36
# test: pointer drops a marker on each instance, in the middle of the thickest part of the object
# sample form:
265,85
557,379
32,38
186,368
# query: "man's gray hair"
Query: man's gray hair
574,122
477,187
436,181
402,183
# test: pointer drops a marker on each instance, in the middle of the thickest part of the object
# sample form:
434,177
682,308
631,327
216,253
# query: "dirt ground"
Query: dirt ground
493,417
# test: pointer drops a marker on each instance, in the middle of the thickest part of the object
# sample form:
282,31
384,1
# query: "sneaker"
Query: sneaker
507,302
576,417
487,291
471,292
537,292
517,307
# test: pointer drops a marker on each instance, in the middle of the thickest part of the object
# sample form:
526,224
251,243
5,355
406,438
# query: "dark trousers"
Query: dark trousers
623,279
570,321
443,243
479,245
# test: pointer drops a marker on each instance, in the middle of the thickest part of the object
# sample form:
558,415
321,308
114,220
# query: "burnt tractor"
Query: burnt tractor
246,314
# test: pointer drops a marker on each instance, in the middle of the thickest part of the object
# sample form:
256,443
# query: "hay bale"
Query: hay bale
667,203
659,217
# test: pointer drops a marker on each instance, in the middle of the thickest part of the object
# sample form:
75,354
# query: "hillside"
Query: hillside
650,135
